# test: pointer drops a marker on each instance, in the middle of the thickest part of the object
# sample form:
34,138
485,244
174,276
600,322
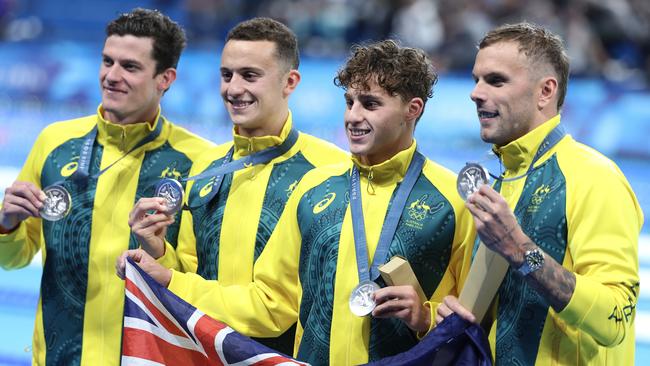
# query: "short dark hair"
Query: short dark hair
399,70
267,29
168,37
539,45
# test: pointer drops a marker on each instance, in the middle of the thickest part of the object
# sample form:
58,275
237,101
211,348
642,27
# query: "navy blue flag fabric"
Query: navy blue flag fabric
162,329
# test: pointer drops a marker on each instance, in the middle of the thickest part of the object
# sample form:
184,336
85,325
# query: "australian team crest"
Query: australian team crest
538,197
419,210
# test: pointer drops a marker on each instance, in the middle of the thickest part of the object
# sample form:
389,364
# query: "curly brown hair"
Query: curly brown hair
403,71
539,45
168,36
267,29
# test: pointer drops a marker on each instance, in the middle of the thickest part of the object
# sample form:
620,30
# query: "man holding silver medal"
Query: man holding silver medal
73,196
238,190
563,216
320,266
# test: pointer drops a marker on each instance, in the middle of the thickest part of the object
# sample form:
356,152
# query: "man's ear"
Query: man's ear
415,107
547,93
166,78
292,79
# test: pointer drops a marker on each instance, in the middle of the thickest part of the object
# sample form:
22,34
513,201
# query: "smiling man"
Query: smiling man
233,213
342,221
73,196
562,215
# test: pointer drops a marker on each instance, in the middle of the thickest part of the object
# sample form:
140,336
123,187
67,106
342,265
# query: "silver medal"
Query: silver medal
471,178
361,302
57,203
172,191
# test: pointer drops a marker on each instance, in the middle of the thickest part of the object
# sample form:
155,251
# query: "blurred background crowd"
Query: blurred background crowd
608,38
50,52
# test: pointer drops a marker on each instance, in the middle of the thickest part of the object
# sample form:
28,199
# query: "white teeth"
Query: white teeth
240,104
484,114
357,132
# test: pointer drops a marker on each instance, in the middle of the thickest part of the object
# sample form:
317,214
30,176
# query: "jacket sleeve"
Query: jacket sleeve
265,307
183,257
460,261
604,220
17,249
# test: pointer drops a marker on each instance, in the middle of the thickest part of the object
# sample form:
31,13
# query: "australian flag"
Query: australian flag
162,329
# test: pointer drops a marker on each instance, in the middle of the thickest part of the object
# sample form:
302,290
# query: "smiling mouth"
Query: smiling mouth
358,131
486,114
239,104
113,90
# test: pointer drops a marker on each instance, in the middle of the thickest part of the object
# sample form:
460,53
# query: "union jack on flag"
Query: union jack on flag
162,329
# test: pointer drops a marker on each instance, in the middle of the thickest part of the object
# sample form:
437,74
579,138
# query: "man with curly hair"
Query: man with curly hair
343,221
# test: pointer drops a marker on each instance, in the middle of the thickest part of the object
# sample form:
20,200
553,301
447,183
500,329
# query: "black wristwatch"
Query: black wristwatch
533,260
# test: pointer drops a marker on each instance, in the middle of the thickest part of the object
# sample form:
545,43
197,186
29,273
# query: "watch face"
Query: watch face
535,259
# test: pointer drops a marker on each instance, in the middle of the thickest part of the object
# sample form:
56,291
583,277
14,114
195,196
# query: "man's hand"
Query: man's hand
402,302
21,200
496,225
154,269
499,230
451,305
149,221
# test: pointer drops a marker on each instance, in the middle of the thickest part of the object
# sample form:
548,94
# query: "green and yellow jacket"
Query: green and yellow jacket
80,309
579,208
222,239
308,269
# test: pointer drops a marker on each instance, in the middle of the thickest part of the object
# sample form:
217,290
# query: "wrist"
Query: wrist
167,277
426,322
533,261
518,255
156,250
7,227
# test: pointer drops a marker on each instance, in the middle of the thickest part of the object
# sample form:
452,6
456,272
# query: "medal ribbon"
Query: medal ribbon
229,166
83,167
549,141
390,222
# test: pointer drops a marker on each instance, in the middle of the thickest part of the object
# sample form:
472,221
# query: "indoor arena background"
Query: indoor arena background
50,52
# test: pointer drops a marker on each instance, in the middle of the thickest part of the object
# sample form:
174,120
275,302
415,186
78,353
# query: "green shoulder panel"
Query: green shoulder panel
320,217
541,212
424,237
163,162
283,180
207,219
65,271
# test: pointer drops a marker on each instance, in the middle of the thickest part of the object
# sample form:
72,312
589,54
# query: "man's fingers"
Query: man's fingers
451,304
146,205
120,263
477,212
21,207
154,222
27,191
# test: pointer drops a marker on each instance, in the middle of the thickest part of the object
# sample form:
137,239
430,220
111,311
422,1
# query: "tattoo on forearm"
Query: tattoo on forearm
555,283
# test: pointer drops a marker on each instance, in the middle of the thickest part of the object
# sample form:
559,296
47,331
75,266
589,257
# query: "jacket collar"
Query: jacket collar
247,145
390,171
126,136
518,154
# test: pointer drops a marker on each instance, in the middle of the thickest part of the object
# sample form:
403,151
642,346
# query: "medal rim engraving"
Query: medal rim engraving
179,188
484,175
66,198
362,310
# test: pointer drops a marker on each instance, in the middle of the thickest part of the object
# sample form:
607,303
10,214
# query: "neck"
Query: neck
149,118
382,156
270,129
